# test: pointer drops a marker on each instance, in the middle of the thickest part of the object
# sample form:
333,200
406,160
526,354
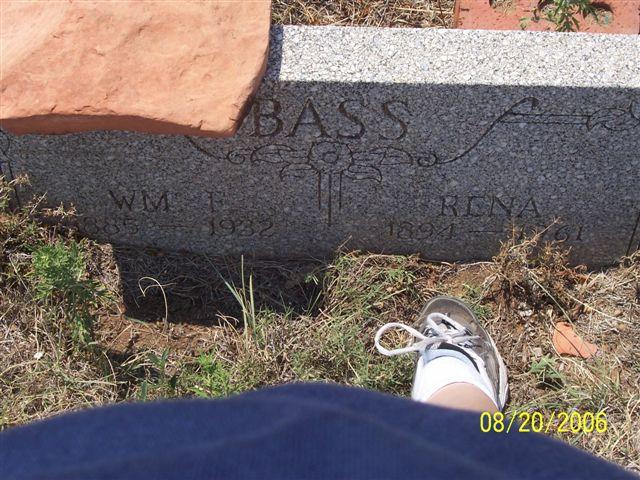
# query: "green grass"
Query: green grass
269,348
546,371
210,378
62,350
473,296
59,276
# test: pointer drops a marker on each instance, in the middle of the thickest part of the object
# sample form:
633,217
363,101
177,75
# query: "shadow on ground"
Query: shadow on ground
203,290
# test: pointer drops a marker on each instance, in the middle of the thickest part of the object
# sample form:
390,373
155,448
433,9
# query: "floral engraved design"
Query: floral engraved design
334,158
330,162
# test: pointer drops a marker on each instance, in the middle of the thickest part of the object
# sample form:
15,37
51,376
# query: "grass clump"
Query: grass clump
362,292
546,371
48,308
334,345
158,381
58,272
211,378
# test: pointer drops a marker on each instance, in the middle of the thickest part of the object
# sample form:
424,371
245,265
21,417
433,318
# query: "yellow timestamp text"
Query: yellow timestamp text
561,422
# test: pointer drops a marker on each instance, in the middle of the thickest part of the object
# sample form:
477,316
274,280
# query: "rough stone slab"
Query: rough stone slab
180,67
388,140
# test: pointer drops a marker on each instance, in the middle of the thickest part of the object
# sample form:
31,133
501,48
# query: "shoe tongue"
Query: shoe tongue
455,348
444,327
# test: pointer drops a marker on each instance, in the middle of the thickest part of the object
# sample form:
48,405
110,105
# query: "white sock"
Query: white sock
438,368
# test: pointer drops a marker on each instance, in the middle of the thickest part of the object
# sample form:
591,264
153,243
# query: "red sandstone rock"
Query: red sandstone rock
180,67
567,342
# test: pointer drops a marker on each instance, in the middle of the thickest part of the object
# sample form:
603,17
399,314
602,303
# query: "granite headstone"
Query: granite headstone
387,140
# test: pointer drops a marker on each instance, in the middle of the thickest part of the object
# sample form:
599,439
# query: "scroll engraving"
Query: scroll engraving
331,162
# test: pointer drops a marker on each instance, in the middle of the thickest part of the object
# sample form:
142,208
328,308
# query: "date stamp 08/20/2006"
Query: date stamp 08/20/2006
572,422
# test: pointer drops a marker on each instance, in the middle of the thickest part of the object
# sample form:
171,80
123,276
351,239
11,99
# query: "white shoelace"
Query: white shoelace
453,335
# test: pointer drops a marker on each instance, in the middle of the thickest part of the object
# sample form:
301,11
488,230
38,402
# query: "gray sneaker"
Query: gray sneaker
448,328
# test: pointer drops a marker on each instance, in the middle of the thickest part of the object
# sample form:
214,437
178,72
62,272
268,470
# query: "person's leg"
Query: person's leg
293,432
462,396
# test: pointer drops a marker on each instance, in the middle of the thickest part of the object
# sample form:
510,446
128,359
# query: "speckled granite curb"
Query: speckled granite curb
388,140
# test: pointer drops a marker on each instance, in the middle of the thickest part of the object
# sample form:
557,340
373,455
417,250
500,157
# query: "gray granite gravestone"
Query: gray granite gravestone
387,140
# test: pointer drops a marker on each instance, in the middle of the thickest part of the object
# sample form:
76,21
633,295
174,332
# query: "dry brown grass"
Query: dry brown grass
41,372
378,13
308,321
527,291
38,377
